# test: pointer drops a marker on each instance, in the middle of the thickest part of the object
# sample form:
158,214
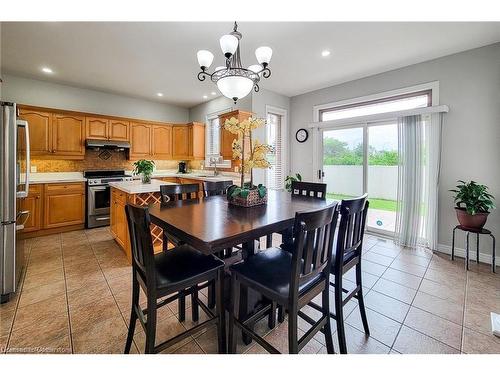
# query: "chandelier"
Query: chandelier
234,81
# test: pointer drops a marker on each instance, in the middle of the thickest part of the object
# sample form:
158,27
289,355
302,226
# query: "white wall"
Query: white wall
199,113
52,95
470,86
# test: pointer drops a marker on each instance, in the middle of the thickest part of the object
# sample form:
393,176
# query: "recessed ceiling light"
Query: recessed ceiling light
47,70
213,93
159,94
325,53
205,97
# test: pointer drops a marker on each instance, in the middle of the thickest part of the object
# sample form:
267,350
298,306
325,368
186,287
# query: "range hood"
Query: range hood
99,144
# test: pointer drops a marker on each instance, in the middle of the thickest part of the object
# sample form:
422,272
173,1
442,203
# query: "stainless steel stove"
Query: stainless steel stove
99,195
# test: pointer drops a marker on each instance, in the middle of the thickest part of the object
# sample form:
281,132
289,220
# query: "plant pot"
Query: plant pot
253,199
146,179
467,220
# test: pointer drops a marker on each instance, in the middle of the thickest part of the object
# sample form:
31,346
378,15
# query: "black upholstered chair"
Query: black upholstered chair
211,188
290,279
179,192
171,274
347,254
309,189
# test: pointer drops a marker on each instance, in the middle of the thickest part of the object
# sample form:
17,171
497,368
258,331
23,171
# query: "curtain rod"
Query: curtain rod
382,116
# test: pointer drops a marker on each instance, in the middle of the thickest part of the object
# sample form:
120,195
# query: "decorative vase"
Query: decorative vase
252,199
467,220
146,178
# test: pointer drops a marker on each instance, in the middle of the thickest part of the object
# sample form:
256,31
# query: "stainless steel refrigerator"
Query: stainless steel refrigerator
14,186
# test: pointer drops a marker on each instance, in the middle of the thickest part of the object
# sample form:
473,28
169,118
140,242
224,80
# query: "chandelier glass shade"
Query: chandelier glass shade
232,80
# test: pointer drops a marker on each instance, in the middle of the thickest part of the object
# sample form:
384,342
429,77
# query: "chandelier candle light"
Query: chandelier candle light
234,81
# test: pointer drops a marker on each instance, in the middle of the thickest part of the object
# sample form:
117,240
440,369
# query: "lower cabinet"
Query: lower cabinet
118,217
33,204
64,205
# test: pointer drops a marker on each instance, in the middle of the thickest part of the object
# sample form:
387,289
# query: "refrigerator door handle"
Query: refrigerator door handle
24,194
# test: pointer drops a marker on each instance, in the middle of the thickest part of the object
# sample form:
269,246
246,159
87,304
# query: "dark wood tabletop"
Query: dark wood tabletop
212,224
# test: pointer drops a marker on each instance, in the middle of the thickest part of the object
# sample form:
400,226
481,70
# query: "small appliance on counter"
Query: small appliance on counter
182,167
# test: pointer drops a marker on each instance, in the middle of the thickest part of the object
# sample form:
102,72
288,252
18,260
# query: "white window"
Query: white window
212,136
276,128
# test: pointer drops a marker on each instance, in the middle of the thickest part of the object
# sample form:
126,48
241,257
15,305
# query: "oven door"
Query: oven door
99,197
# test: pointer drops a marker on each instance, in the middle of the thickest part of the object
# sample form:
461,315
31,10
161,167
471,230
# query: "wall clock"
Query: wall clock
301,135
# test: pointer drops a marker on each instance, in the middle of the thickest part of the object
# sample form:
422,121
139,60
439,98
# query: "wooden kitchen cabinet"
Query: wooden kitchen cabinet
162,141
226,146
64,204
197,140
180,142
40,124
118,219
96,128
68,134
140,139
33,204
119,130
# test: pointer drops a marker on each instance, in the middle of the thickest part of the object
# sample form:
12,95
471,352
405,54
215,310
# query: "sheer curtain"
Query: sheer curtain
419,144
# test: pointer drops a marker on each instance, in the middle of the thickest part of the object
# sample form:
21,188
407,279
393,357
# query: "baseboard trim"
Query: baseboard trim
459,252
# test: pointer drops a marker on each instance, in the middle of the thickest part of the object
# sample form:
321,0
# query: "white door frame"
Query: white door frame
284,136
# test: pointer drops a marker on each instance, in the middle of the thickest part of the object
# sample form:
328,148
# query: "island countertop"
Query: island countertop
137,187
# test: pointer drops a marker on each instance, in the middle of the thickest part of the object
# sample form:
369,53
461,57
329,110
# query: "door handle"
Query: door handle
24,124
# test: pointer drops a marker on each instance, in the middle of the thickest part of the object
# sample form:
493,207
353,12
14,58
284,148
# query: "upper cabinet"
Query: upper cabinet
40,130
140,140
107,129
68,134
162,142
188,141
226,146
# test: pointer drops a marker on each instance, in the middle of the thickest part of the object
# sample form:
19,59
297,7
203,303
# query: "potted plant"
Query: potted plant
144,168
290,179
473,204
254,156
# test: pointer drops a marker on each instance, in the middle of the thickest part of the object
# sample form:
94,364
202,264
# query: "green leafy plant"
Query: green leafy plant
144,167
289,179
473,197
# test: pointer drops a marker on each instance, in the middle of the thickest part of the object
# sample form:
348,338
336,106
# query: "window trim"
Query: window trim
208,118
284,134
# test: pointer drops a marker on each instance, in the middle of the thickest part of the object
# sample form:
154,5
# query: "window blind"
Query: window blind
275,177
213,137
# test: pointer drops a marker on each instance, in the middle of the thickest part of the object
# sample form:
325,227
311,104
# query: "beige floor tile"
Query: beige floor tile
42,293
84,280
411,268
445,308
381,328
402,278
377,258
410,341
395,290
88,294
482,296
7,317
389,252
190,348
74,259
40,312
410,258
438,328
41,345
166,329
486,277
478,318
387,306
478,343
373,268
367,279
36,266
359,343
44,278
454,279
120,284
443,291
87,316
81,269
106,336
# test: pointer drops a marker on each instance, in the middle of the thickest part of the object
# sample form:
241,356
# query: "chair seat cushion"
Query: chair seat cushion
270,272
182,264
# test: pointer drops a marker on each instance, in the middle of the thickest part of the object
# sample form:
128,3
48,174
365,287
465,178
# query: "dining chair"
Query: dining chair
348,254
291,279
309,189
211,188
168,274
171,193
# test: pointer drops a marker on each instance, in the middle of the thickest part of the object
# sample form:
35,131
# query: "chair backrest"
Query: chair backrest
179,192
314,233
216,187
309,189
140,240
351,230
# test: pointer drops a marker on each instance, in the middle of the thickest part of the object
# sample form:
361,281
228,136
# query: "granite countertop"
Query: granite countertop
55,177
137,187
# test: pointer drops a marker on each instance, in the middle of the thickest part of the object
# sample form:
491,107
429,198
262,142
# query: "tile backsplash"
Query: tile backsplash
93,161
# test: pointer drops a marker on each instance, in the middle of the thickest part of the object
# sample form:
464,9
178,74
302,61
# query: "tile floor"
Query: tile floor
75,298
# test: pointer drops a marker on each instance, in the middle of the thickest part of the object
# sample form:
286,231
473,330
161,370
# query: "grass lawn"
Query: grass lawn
375,203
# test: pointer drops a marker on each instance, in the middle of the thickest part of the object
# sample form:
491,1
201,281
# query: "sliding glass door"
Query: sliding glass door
363,158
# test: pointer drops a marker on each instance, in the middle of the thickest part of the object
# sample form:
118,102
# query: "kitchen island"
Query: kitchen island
137,193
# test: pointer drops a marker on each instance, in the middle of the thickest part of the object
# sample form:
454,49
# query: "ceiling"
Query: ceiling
143,58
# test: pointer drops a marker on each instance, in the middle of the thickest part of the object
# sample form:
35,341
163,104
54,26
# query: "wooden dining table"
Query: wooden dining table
212,224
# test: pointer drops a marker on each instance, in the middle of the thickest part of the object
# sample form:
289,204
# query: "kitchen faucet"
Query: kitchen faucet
214,160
